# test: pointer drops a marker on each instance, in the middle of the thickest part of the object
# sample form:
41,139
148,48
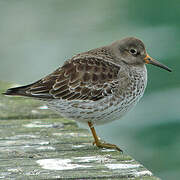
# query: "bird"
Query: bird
97,86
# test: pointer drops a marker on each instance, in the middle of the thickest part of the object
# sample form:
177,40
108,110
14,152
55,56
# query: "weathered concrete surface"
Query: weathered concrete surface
36,144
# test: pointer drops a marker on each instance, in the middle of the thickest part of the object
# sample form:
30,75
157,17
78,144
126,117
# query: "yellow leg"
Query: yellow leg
99,143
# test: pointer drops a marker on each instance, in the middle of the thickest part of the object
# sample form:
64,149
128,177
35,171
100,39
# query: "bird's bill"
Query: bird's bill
150,60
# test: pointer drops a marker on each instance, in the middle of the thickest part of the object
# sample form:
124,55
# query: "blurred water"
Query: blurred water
39,35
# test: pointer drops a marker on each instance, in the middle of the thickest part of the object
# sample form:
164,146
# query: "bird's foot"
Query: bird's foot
107,146
98,143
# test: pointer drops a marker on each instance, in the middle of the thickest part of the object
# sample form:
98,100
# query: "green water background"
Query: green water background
39,35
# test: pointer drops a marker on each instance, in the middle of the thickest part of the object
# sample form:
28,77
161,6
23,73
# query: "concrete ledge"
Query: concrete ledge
35,143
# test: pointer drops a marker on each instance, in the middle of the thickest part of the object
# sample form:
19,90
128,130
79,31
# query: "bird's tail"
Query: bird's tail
17,91
33,90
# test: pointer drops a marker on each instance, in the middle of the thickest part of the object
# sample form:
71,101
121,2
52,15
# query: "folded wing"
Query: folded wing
78,79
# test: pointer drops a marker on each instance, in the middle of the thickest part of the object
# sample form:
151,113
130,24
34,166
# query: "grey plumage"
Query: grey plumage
97,86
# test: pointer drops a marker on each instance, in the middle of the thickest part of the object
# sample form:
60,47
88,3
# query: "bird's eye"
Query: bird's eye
133,51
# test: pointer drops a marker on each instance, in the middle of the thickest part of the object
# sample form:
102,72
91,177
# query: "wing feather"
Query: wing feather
78,79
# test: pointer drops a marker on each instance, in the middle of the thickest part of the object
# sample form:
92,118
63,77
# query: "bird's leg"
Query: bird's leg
98,143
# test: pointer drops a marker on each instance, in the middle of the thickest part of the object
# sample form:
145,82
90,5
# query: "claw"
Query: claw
107,146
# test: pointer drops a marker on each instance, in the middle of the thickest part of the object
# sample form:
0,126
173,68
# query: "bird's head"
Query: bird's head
132,51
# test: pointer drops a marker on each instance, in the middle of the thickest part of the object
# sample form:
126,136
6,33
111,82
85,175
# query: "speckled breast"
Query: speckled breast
131,85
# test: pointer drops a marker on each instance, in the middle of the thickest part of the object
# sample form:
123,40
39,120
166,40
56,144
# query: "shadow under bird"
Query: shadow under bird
97,86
